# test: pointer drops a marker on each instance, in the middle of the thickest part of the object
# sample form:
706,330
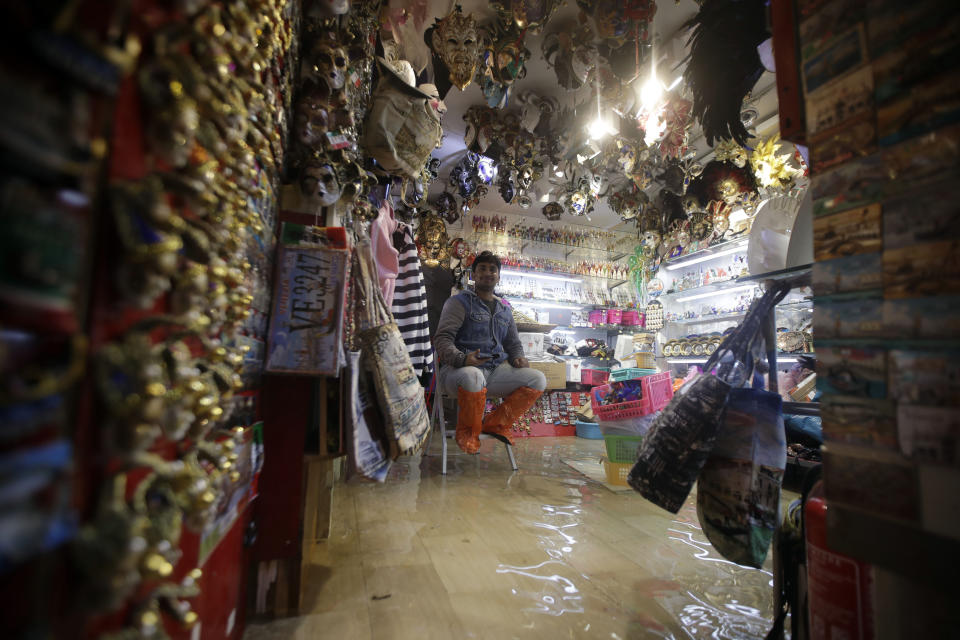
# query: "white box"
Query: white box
624,347
532,343
573,371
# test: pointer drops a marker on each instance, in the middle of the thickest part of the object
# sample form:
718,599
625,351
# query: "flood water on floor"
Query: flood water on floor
544,552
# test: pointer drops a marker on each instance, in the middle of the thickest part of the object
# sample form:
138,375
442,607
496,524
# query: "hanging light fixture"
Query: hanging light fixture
601,127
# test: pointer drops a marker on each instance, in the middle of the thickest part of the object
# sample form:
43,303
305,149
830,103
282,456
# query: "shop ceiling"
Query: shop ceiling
670,47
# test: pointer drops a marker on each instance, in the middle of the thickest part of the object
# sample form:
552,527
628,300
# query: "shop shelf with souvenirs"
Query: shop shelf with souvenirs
570,252
708,292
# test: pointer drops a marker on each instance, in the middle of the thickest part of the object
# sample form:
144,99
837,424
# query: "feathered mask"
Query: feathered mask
723,65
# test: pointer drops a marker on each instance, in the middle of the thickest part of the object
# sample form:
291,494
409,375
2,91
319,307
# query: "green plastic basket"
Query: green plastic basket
630,373
622,449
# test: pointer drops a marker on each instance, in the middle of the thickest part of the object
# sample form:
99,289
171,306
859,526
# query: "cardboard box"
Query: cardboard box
556,373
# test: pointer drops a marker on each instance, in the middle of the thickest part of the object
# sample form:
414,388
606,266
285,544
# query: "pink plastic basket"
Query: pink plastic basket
630,318
593,376
597,316
657,392
614,316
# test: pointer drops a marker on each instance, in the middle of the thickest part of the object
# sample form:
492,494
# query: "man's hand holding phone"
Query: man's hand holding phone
475,359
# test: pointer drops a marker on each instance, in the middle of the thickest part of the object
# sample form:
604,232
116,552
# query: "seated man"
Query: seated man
480,351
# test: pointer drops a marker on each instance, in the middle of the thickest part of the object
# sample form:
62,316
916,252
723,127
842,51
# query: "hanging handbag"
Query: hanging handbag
402,127
384,353
365,444
682,436
738,490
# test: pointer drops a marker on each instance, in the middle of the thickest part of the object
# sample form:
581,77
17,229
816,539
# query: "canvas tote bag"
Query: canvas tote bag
398,390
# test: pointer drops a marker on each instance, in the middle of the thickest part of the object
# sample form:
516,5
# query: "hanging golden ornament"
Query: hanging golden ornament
772,171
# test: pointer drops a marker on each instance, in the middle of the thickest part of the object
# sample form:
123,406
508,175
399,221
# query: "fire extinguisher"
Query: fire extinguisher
839,588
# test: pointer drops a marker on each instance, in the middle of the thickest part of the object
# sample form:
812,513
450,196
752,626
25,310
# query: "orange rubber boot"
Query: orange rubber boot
500,422
470,405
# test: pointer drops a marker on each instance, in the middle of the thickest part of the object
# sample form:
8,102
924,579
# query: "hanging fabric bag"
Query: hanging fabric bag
738,491
398,390
682,436
367,442
402,127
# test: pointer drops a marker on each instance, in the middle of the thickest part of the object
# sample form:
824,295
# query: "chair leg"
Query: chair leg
442,424
513,461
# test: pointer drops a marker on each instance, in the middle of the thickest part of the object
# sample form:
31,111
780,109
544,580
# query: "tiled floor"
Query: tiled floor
544,552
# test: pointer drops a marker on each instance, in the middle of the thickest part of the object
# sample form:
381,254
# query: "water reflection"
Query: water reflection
565,597
715,603
562,555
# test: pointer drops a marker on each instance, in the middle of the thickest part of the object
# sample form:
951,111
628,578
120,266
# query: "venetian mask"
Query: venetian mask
330,64
691,205
650,240
525,177
506,58
432,241
526,14
720,215
455,42
459,248
312,119
531,110
447,207
486,169
507,185
701,226
626,156
552,211
320,9
617,21
319,183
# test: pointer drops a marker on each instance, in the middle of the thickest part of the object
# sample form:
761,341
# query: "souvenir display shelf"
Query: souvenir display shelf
729,247
710,309
611,252
611,282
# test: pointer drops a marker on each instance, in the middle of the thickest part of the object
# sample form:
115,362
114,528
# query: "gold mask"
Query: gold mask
456,43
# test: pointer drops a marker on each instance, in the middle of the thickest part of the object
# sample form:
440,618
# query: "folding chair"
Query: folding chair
438,422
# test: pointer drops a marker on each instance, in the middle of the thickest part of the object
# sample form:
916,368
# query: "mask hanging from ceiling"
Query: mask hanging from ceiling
531,15
455,41
504,61
728,183
552,211
619,21
628,203
572,56
447,207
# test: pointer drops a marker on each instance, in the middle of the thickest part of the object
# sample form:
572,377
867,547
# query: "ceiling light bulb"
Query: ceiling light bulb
598,129
651,92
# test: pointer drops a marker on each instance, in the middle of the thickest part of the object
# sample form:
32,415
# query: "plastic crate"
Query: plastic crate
657,392
588,430
617,472
593,376
622,448
630,373
645,359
